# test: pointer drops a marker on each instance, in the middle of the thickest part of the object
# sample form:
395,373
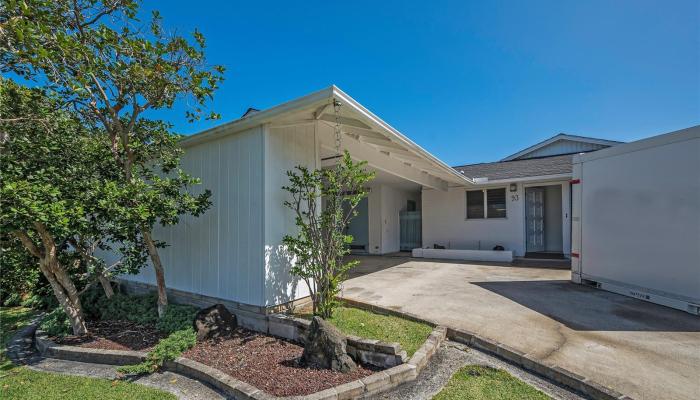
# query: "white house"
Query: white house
521,203
234,251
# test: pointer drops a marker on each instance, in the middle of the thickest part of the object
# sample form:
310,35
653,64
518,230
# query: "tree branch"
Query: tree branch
28,244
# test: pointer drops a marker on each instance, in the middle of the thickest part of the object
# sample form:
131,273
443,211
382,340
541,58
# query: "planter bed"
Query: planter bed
115,335
269,363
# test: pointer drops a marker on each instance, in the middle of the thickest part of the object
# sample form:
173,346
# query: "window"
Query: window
496,203
475,204
488,203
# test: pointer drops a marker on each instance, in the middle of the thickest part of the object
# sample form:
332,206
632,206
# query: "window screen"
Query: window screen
496,203
475,204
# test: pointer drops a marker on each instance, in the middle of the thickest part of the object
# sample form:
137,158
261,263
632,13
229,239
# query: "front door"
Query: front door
534,218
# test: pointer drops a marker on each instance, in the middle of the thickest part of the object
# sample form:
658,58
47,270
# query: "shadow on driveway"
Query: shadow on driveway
583,308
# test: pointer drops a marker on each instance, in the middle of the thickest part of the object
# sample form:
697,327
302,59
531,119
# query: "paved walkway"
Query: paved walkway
21,351
640,349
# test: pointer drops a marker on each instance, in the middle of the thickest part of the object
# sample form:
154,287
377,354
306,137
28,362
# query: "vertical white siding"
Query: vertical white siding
285,148
220,253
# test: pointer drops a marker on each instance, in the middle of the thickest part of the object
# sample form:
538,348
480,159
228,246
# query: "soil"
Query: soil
268,363
115,335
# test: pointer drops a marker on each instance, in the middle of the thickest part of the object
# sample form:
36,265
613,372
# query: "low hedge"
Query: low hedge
141,309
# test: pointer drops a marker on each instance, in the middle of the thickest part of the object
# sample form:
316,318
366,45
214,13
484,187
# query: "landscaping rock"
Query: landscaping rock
326,347
214,321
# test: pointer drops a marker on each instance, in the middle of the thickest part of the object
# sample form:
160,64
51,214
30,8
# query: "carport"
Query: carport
639,349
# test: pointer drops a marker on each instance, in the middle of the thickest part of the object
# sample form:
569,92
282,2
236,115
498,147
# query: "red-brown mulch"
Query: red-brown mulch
115,335
268,363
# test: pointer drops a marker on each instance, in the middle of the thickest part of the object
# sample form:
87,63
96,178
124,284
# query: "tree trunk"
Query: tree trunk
63,288
158,267
106,285
69,302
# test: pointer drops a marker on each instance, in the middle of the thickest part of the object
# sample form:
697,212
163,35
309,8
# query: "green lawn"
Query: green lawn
23,383
476,382
366,324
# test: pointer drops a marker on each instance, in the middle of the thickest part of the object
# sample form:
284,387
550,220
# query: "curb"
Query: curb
361,388
552,372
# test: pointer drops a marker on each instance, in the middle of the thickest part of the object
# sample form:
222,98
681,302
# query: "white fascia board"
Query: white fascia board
315,100
543,178
397,136
561,136
259,118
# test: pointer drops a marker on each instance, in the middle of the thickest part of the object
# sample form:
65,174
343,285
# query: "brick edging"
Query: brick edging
552,372
367,386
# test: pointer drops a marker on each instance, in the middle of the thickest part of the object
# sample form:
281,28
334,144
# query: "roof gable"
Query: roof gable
561,144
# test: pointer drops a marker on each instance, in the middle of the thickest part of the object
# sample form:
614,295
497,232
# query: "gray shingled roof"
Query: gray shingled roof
519,168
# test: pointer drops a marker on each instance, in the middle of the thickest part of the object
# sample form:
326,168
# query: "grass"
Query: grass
25,384
354,321
476,382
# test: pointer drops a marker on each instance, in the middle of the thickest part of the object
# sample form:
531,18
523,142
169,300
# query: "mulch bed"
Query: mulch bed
268,363
115,335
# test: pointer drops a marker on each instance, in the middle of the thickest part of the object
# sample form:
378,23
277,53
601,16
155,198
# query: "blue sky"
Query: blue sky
469,81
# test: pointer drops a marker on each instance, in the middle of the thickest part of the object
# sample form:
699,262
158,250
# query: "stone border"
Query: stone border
552,372
367,386
367,351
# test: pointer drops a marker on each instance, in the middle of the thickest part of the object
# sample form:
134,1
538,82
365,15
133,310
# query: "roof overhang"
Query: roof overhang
356,121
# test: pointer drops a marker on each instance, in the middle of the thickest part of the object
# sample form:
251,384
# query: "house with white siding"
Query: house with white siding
234,252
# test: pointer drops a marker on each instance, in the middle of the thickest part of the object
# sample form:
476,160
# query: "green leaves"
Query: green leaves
320,244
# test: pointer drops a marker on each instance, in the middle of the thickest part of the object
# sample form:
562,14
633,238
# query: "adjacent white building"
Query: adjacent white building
518,206
636,227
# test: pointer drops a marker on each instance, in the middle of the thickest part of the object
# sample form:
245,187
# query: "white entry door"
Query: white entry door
534,218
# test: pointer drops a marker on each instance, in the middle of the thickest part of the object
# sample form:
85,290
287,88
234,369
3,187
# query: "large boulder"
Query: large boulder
213,322
326,348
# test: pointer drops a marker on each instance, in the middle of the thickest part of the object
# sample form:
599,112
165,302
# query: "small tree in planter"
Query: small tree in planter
324,201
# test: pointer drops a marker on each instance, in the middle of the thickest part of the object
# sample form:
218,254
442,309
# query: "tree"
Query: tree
55,177
99,58
324,202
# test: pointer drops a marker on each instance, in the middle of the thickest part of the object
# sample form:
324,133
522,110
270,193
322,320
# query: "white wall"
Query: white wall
640,214
385,202
285,148
374,208
393,201
219,254
445,223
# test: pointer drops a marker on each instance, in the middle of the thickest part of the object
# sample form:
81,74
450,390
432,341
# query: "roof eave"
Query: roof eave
378,122
258,118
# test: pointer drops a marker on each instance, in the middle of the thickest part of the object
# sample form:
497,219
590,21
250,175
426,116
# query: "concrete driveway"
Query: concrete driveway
637,348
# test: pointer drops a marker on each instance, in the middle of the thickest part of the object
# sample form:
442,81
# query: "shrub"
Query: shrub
93,300
56,323
42,296
176,318
167,349
20,272
140,309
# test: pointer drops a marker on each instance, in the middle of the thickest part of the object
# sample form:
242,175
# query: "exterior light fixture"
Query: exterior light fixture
513,187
